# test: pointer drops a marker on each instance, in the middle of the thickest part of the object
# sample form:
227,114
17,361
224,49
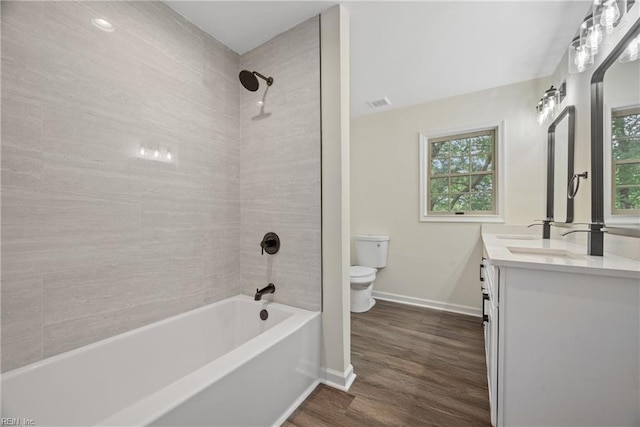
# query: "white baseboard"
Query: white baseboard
295,404
436,305
336,379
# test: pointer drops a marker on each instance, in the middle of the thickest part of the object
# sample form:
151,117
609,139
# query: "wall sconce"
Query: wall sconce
548,104
159,154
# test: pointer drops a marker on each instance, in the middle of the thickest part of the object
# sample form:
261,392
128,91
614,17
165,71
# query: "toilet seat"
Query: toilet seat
358,271
362,275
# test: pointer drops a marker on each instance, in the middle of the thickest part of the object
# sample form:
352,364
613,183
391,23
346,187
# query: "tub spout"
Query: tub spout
269,289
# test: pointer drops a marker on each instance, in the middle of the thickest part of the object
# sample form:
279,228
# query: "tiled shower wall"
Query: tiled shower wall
280,167
95,240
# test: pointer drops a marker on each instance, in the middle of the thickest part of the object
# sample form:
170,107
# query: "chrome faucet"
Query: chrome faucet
269,289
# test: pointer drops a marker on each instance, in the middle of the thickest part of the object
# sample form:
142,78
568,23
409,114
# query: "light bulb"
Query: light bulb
632,52
168,155
156,153
634,47
552,104
610,15
594,38
260,103
582,57
142,151
539,112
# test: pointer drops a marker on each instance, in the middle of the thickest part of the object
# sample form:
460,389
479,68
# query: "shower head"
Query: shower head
250,82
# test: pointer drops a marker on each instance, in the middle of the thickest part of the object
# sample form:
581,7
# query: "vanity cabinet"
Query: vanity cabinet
562,342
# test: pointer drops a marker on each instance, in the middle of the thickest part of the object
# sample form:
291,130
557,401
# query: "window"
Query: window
459,176
625,158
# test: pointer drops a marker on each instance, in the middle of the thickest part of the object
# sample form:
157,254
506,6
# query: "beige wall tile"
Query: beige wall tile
21,321
76,332
280,168
96,241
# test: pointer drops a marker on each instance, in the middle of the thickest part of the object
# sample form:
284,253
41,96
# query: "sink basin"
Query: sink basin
517,237
545,252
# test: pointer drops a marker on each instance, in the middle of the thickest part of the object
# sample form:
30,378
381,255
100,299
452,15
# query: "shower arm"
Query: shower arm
269,80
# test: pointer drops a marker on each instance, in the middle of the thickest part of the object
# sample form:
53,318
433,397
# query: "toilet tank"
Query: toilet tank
371,250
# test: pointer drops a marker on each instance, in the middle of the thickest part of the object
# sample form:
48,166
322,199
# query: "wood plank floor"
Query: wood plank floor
414,367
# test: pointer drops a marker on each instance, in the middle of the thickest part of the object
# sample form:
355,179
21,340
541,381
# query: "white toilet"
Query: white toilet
371,254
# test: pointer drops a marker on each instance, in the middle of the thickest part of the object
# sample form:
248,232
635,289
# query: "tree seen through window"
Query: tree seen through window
625,154
462,173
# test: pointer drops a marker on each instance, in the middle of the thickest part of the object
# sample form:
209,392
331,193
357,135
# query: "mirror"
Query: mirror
622,141
560,157
615,138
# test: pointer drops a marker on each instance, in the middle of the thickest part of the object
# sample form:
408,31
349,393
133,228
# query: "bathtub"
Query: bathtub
219,365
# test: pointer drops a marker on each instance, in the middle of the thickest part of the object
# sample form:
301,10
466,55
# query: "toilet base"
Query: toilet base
361,299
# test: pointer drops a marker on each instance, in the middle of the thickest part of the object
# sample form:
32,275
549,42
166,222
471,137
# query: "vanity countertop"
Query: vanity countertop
561,255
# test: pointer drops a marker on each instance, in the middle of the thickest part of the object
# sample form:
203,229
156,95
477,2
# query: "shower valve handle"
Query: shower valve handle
270,243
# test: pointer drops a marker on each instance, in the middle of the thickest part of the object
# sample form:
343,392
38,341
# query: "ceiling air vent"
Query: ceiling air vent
379,103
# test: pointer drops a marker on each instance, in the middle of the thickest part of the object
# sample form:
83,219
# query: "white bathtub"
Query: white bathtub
219,365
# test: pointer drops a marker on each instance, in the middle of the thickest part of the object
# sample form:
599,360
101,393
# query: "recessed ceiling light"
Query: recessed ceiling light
103,24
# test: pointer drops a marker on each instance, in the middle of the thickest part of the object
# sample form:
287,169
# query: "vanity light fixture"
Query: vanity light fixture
606,17
103,24
548,104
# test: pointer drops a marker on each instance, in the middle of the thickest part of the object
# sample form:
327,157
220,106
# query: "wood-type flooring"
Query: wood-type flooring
414,367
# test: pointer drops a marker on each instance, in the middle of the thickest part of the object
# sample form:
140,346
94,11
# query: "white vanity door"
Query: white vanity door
491,278
569,350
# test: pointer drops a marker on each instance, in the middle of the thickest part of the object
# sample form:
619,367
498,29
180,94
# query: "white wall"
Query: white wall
439,261
336,326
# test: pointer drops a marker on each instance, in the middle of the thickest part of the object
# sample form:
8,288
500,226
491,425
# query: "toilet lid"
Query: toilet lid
358,271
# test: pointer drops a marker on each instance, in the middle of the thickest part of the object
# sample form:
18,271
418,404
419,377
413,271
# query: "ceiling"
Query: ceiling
414,52
243,25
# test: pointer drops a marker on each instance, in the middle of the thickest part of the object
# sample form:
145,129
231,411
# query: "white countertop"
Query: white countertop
497,249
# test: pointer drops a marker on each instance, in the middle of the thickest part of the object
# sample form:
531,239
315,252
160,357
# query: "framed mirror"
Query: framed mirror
615,138
560,158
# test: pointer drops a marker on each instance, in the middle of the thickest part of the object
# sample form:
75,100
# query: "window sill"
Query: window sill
463,218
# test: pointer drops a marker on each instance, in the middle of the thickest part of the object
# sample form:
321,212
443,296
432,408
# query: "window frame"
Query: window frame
498,173
612,215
